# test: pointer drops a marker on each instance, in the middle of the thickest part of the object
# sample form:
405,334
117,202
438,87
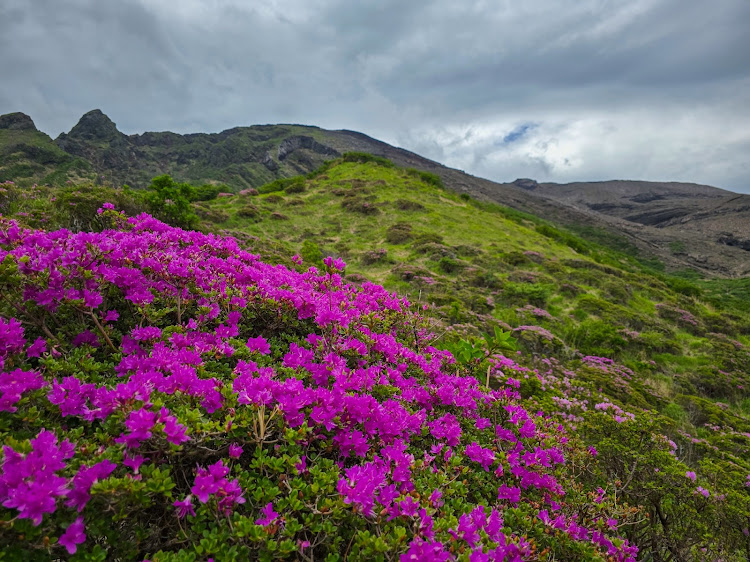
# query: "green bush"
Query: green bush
365,158
208,192
523,293
398,233
170,202
426,177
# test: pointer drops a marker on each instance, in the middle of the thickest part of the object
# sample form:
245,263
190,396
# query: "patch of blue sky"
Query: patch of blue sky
516,134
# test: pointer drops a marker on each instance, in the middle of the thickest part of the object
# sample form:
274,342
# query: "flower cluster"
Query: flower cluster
169,321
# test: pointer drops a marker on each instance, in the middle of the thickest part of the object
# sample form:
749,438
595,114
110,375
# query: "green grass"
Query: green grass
485,262
480,265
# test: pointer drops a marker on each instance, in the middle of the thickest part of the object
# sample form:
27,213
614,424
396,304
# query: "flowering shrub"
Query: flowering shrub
167,395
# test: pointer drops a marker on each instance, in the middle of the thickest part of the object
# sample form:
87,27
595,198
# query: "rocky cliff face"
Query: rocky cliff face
17,122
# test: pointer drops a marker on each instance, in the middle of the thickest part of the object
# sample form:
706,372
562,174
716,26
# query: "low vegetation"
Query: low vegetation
230,402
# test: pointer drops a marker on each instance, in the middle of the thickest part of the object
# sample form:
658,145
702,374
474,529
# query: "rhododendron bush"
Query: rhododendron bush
165,395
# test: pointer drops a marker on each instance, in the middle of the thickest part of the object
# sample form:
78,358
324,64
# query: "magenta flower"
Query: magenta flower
235,451
37,348
425,551
87,337
30,483
485,457
259,344
134,462
145,334
73,536
435,498
11,336
269,515
84,480
510,493
185,507
111,316
14,384
205,485
690,474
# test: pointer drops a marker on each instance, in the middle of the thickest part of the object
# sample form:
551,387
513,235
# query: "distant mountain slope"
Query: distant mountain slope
240,157
680,225
27,154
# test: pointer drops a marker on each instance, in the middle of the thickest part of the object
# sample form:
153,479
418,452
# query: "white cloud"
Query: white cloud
649,89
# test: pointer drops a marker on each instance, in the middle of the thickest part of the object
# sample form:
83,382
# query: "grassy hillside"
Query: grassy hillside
650,372
479,264
30,156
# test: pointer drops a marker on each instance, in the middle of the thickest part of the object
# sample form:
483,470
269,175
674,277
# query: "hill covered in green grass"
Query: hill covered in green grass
682,227
649,371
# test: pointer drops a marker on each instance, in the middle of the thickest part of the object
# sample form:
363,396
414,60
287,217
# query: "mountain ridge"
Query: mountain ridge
659,221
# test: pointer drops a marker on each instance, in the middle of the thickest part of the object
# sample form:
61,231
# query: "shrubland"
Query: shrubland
252,396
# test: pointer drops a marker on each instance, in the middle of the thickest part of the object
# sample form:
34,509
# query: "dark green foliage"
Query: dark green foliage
398,233
560,236
374,256
311,253
426,177
208,192
408,205
359,205
485,279
427,238
297,186
449,265
514,258
211,215
284,184
249,211
366,158
596,337
170,201
527,293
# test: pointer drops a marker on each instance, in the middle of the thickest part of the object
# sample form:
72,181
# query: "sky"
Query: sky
554,90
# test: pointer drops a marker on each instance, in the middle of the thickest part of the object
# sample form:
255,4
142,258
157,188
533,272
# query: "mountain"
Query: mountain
682,226
28,155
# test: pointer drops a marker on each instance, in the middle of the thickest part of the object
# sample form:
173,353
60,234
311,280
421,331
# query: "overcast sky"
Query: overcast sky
555,90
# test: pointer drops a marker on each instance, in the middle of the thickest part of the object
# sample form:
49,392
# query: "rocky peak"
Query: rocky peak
17,121
94,125
526,183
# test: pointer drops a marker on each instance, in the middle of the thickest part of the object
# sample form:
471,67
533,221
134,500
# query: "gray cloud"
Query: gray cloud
581,90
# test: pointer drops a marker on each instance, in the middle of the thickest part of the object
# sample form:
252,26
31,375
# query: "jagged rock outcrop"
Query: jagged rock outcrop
526,183
17,121
730,239
291,144
94,125
269,162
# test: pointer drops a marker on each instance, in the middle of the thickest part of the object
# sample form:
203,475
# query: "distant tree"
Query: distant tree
170,201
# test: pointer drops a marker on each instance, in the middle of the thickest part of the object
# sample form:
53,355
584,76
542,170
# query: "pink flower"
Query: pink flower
133,462
269,515
259,344
185,507
73,536
235,451
690,474
37,348
485,457
510,493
